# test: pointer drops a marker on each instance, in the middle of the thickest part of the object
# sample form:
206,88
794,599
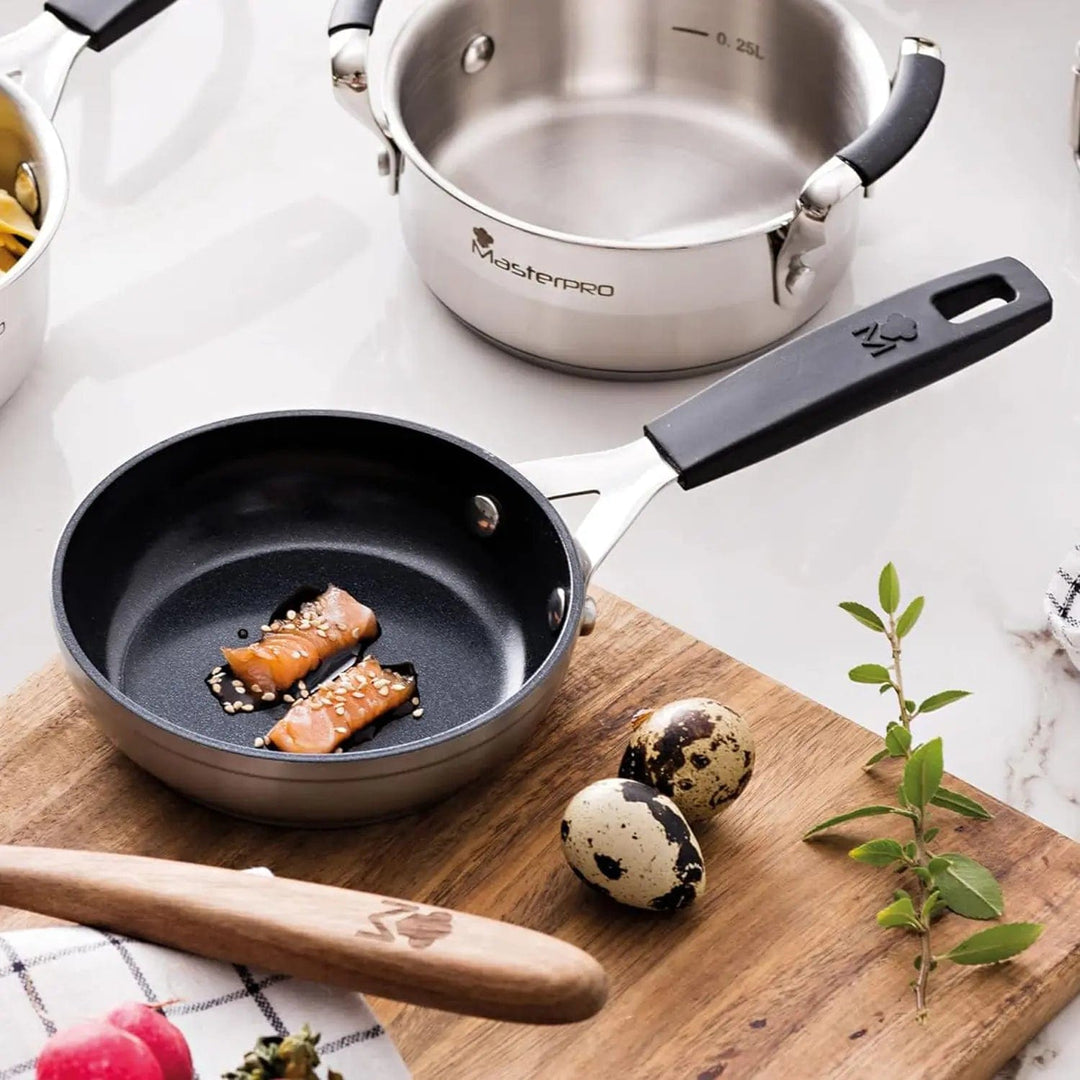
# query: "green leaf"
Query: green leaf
881,755
937,864
910,616
899,894
869,673
968,887
851,815
922,773
939,701
995,944
911,851
867,616
912,708
928,906
960,804
931,833
899,913
877,852
889,588
897,740
885,689
922,874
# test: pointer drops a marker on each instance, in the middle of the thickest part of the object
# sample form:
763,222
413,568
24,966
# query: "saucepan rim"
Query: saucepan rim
563,642
388,103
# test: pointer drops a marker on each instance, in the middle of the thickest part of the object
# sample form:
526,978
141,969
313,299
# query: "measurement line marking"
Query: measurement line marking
691,30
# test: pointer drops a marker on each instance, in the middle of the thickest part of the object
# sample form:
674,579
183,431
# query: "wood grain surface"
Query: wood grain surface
779,971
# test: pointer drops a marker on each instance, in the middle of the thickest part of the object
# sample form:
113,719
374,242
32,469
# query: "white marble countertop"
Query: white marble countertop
228,248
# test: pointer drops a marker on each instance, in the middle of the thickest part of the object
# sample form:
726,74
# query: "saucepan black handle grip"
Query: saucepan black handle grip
847,368
916,91
105,21
354,14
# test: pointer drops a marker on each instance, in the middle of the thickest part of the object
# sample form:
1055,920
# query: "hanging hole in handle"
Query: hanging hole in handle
975,298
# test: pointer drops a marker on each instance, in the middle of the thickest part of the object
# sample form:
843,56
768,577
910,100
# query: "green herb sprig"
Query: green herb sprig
942,881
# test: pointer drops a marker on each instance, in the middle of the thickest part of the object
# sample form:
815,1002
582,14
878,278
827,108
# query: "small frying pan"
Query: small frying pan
475,577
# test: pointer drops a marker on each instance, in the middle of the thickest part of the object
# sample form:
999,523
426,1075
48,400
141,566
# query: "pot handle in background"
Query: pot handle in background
805,266
105,21
848,368
354,15
917,85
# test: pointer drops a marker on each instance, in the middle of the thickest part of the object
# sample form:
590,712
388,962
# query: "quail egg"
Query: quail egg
629,842
696,751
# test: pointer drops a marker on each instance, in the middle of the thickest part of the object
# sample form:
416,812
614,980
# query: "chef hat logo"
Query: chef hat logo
898,328
483,237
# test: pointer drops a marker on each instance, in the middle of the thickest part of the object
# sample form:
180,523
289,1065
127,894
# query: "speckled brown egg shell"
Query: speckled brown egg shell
629,842
696,751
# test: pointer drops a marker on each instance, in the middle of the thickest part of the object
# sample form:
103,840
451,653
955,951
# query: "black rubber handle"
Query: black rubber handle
354,14
847,368
915,95
105,21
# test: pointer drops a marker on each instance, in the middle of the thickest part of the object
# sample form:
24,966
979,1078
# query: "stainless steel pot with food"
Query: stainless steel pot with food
635,189
34,65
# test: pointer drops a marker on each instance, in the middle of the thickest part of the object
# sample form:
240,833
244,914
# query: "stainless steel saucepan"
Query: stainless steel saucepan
474,575
634,189
34,65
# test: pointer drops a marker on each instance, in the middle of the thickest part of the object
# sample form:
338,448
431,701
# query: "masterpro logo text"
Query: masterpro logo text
483,246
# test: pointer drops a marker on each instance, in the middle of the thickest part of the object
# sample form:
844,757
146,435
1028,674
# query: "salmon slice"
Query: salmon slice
299,643
341,707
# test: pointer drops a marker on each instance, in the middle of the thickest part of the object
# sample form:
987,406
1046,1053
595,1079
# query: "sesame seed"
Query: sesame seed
290,614
237,684
356,633
305,693
302,684
321,632
339,750
265,628
397,686
230,707
260,742
248,707
305,624
216,671
357,694
418,713
269,696
256,688
215,687
288,698
381,682
340,710
416,701
342,730
384,691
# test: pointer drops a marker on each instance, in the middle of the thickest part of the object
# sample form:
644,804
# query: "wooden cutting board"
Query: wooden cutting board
779,971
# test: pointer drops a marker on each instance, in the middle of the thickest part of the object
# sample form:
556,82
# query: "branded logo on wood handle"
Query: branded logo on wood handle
403,920
880,338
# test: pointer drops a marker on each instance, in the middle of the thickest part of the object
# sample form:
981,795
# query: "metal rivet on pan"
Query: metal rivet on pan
484,515
26,188
477,54
588,617
556,608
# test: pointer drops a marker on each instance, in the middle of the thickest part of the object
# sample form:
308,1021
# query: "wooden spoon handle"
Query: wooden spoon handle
393,948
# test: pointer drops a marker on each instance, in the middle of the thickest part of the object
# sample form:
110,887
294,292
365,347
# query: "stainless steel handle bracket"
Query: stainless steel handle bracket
626,478
1074,122
39,55
349,72
825,205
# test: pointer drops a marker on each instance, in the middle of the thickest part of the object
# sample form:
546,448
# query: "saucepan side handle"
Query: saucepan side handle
351,26
825,207
848,368
105,21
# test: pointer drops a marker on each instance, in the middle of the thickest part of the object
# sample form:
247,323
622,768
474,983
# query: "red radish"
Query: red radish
97,1050
164,1039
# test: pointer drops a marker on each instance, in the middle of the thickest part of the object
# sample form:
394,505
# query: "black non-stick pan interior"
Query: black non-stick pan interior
195,544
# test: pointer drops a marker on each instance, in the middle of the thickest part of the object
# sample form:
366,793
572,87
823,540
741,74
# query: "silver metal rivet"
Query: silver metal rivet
556,608
588,617
26,188
484,515
477,54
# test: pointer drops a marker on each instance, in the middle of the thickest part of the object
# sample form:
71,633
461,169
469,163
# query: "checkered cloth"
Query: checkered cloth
1062,604
52,978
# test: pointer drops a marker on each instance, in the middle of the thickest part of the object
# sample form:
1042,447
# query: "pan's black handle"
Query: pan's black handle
105,21
847,368
354,14
916,91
